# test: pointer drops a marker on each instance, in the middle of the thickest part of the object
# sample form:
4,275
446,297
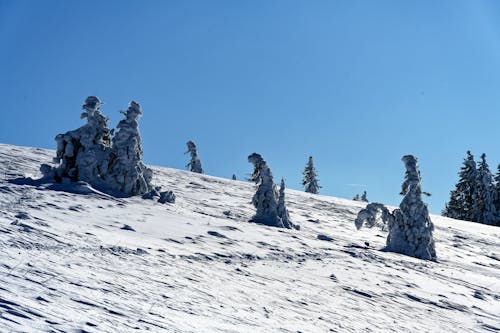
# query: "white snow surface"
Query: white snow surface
199,266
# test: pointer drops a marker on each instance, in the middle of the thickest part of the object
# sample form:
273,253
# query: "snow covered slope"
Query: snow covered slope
198,266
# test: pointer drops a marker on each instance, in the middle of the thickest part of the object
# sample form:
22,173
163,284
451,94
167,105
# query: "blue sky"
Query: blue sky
356,84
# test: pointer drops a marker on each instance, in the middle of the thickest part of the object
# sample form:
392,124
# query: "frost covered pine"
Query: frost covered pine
310,181
127,173
265,199
497,195
82,154
410,231
484,197
194,164
282,211
462,197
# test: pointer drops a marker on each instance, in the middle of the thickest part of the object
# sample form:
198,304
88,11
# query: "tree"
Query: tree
282,211
484,197
82,154
462,197
265,199
410,231
234,177
127,173
497,195
195,162
310,182
363,197
356,197
374,214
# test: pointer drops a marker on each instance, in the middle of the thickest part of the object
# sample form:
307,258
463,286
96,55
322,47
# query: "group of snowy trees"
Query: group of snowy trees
410,227
363,197
310,180
113,162
269,203
94,154
476,196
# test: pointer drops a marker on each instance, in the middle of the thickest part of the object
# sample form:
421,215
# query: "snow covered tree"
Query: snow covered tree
484,197
410,232
374,214
127,173
195,163
282,211
462,197
363,197
82,154
310,182
265,199
497,196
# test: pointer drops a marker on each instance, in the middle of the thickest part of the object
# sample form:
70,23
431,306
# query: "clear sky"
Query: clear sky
355,84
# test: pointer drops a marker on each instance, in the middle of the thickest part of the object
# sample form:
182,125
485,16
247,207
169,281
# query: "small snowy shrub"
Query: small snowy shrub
374,214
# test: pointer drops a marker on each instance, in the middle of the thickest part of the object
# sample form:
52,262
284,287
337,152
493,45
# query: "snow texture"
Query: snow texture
410,232
199,266
194,164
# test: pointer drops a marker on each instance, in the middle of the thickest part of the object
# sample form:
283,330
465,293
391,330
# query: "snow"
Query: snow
199,266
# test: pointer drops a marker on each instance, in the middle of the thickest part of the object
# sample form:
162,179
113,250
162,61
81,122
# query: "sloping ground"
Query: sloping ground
199,266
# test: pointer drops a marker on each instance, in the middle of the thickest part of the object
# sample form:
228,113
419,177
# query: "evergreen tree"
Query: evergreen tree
265,199
195,162
82,154
310,182
462,197
363,197
410,231
127,173
282,211
356,197
484,197
497,195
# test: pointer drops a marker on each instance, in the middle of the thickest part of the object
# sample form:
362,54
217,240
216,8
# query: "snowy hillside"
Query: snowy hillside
67,264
